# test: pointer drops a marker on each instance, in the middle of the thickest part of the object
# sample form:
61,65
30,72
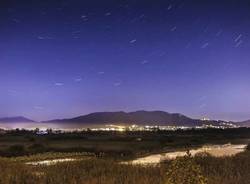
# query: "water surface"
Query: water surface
214,150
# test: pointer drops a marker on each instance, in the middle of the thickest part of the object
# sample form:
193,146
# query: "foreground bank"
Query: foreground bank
202,168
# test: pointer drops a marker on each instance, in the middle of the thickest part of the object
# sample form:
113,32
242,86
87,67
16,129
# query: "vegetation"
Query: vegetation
115,144
185,170
202,169
92,167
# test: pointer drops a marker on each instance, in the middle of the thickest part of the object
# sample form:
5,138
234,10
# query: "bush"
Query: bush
184,170
16,150
37,148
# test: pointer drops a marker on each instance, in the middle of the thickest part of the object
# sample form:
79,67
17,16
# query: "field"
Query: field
97,158
89,170
116,144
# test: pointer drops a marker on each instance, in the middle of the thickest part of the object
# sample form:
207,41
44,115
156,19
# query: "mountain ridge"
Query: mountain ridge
244,123
16,119
140,117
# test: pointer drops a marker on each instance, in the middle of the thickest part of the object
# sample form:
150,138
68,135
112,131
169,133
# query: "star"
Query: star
78,79
59,84
205,45
116,84
132,41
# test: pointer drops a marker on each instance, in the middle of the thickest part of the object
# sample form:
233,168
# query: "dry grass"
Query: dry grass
226,170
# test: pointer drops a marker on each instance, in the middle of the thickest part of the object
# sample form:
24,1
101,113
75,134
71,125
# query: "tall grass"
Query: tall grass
92,171
211,170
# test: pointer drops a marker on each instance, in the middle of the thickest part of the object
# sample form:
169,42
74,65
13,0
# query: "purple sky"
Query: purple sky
64,58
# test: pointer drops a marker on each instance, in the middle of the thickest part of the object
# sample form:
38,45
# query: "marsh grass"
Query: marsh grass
225,170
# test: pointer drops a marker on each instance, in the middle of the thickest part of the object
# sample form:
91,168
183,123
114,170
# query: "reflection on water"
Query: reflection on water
214,150
51,162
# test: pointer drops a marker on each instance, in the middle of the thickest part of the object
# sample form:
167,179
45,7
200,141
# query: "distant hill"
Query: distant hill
244,123
137,117
17,119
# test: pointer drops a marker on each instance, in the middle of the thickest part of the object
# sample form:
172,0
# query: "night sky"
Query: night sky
64,58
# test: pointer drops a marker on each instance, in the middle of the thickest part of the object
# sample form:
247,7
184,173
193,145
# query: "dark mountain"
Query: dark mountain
244,123
138,117
17,119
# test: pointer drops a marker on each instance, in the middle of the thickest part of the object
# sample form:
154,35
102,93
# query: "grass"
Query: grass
91,169
211,170
86,171
115,144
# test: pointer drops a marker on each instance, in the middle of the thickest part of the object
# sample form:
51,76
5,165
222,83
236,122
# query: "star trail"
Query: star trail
64,58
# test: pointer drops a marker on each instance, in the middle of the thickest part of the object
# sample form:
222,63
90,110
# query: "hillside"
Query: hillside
137,117
244,123
17,119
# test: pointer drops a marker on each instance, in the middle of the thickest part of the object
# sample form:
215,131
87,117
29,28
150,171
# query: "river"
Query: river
214,150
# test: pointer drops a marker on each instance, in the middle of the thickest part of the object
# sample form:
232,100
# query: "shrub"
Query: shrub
37,148
16,150
184,170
